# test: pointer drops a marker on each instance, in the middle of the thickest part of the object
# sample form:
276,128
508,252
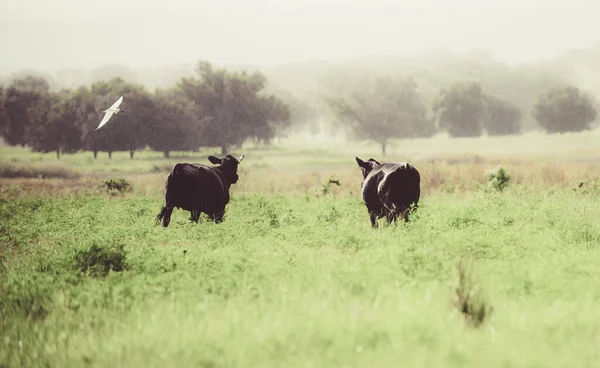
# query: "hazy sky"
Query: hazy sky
52,34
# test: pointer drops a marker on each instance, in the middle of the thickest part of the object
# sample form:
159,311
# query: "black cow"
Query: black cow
389,189
200,188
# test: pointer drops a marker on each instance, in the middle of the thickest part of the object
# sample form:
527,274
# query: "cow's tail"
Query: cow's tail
165,214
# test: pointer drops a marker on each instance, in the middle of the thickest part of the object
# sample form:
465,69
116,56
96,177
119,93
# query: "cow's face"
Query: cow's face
229,166
367,166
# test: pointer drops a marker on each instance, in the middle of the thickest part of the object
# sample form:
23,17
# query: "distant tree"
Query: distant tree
83,104
383,110
564,109
231,106
269,118
174,126
54,124
460,109
20,95
502,117
126,131
4,126
302,114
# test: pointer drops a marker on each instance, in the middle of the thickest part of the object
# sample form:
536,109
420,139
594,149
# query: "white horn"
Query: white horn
241,158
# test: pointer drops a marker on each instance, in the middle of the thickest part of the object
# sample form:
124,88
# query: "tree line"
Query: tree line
385,108
214,108
223,108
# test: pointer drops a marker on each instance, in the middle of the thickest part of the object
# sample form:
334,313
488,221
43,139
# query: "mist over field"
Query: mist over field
494,103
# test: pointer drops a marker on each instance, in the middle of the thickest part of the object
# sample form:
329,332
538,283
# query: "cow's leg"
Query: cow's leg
391,216
374,215
195,215
165,216
218,216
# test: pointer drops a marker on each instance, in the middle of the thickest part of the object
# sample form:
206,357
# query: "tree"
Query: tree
54,124
4,126
269,118
174,126
502,117
83,102
231,106
20,95
128,129
384,109
564,109
460,109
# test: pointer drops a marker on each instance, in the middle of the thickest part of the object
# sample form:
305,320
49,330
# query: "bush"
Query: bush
118,185
28,172
498,178
469,299
98,261
27,297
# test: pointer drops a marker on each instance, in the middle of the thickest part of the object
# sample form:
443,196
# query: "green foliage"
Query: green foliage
232,106
460,109
301,269
469,299
27,298
98,260
128,130
119,184
175,127
589,187
564,109
8,170
498,178
20,96
502,117
383,110
327,185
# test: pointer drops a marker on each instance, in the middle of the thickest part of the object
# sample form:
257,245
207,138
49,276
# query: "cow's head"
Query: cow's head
228,167
367,166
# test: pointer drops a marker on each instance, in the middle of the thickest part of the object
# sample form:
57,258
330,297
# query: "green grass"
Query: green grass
295,276
89,279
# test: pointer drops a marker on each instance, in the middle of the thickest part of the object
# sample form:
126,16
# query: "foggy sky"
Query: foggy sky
50,35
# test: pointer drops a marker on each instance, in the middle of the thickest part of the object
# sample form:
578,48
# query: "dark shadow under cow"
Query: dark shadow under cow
389,190
200,188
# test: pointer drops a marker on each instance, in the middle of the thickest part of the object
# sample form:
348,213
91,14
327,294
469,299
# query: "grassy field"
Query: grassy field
295,276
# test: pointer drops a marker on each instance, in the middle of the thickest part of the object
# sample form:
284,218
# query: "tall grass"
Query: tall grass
298,280
295,276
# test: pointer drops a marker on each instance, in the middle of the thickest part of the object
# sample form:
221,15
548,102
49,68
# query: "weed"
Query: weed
118,185
98,261
469,299
498,178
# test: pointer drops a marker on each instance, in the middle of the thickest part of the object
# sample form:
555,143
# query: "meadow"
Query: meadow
295,276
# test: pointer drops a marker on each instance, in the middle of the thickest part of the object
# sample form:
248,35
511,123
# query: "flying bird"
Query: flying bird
114,109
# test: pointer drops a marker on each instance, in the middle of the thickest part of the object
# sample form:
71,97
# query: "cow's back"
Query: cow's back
196,186
399,185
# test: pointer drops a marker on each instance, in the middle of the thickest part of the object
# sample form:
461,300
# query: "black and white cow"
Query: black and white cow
389,189
200,188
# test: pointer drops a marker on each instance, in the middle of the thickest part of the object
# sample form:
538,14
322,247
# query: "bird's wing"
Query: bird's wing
105,119
116,104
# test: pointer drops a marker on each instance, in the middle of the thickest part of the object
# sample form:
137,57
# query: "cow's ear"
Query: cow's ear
241,158
214,160
361,163
374,160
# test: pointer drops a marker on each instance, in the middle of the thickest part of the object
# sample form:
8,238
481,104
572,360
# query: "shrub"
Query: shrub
469,299
118,185
26,171
326,186
98,261
498,178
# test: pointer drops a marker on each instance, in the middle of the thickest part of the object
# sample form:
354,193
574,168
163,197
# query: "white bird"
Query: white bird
114,109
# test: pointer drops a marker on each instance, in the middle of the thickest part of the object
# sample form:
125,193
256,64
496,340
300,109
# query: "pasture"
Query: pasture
295,276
